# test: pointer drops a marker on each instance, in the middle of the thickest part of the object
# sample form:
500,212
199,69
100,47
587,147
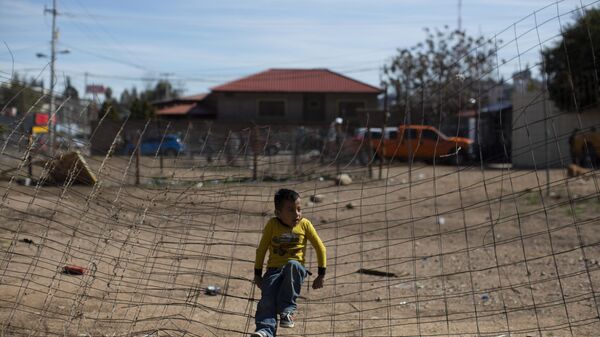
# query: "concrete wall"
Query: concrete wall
530,146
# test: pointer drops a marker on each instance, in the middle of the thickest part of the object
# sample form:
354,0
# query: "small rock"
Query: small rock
212,290
441,220
317,198
421,176
554,195
378,299
343,179
199,185
404,181
350,205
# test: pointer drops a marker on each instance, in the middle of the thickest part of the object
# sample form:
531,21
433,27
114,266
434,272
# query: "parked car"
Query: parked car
421,142
169,145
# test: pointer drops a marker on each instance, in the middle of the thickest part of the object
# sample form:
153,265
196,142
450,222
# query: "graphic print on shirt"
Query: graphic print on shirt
283,243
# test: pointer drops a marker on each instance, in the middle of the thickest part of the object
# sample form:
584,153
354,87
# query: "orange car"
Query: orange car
423,142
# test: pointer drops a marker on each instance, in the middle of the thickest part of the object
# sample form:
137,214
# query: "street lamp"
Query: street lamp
42,55
51,123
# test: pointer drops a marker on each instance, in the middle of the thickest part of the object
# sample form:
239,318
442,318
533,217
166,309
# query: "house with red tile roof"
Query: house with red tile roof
280,96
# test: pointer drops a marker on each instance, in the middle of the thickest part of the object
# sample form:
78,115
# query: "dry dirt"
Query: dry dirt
472,252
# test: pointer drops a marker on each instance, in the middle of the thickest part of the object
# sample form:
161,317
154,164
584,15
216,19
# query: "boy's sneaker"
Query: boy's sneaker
259,333
286,320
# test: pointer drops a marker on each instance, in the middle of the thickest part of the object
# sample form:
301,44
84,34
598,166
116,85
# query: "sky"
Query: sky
198,44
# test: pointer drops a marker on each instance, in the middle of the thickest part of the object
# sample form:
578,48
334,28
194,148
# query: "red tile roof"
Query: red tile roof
297,80
179,109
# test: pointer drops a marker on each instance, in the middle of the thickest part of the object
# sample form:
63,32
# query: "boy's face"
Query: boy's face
290,212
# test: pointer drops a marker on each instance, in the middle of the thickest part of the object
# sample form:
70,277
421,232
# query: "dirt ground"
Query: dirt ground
468,252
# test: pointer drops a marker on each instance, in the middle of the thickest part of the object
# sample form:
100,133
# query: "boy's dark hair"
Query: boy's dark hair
283,195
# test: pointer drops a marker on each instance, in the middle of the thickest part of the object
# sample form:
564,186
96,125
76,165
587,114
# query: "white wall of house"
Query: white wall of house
532,146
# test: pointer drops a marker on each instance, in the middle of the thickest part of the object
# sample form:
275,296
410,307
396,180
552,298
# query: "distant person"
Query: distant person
334,135
285,236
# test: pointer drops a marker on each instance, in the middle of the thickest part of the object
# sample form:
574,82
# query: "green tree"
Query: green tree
110,106
162,90
70,91
440,76
571,66
21,94
126,98
141,109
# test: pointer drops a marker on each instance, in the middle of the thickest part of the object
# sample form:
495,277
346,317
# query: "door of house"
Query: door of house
314,108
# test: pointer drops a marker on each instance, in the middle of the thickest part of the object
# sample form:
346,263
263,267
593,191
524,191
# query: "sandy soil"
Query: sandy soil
472,252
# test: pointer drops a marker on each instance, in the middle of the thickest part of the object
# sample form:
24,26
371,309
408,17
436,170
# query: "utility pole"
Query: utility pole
459,14
51,119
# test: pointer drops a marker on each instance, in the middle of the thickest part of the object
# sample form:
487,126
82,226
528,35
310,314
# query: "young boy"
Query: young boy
285,236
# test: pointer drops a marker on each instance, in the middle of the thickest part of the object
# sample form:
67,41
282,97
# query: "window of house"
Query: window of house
271,108
348,109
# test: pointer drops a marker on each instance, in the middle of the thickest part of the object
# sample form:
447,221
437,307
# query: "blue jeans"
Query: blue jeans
280,288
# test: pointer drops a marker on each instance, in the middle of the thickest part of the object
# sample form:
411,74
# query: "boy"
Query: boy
285,236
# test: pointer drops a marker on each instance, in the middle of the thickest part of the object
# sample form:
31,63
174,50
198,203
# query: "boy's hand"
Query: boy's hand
318,282
258,280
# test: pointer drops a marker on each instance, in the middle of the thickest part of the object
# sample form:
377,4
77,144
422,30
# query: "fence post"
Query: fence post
162,139
137,158
29,168
382,143
255,149
369,147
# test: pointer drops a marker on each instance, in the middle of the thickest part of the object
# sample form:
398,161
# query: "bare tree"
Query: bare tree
440,76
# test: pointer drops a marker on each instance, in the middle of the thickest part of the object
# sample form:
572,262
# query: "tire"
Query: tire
170,153
458,159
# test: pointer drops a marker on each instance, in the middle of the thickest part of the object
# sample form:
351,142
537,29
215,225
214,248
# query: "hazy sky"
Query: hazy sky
200,44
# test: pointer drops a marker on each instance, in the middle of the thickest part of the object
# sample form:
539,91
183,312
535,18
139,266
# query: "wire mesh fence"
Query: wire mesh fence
418,243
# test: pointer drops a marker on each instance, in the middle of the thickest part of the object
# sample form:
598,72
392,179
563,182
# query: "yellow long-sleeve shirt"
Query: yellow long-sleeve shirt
285,243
